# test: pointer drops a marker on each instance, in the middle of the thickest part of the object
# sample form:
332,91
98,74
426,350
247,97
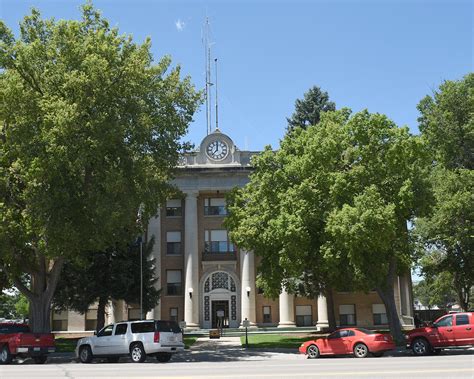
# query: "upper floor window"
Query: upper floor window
173,282
347,314
214,206
173,243
173,208
217,241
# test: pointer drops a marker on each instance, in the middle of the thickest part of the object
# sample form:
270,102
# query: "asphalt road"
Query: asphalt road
259,365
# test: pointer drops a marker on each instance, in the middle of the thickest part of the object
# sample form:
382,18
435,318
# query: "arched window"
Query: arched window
219,280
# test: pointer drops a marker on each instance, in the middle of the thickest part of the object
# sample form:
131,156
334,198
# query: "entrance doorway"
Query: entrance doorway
220,314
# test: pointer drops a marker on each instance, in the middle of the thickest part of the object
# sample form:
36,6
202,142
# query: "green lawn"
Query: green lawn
67,345
275,340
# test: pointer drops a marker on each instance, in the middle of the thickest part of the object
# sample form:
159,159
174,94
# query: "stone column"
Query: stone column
323,322
118,309
191,256
287,310
247,275
154,231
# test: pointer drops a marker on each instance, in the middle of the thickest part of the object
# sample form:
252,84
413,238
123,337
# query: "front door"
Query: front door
220,314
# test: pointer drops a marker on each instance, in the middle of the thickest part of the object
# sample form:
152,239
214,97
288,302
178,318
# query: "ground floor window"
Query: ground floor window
380,314
304,316
91,319
59,321
347,314
174,314
267,314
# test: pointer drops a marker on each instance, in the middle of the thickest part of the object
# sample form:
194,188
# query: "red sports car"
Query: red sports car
357,341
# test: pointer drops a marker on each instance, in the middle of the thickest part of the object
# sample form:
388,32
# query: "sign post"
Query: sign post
246,324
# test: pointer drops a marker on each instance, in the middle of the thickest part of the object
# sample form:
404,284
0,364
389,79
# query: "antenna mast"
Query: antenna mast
205,43
217,113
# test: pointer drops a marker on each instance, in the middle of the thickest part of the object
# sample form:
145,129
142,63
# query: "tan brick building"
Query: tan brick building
205,279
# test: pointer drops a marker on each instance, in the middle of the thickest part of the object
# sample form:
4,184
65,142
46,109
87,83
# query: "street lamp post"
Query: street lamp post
139,220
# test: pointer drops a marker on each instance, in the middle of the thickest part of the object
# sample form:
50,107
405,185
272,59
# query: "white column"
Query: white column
323,322
247,276
191,268
287,310
154,231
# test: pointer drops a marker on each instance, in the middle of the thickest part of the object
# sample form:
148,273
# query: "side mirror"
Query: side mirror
433,324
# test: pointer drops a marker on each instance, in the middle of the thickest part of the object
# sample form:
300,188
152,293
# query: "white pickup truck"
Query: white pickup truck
136,339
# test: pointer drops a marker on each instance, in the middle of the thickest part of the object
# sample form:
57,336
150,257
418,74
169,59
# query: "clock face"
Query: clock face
217,150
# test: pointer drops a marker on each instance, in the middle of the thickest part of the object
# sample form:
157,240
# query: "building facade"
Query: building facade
208,282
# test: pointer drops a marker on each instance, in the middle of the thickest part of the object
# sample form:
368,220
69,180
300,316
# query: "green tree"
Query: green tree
447,126
435,291
91,129
308,110
334,202
113,274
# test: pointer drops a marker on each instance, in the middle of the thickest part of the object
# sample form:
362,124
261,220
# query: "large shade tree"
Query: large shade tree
330,208
90,130
447,126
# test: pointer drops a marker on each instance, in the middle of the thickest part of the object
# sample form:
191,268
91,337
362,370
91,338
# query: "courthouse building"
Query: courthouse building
205,279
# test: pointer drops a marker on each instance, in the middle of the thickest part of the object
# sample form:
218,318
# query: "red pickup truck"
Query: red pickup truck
16,340
448,331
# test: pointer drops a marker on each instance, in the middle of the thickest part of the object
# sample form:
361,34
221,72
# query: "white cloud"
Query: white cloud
180,25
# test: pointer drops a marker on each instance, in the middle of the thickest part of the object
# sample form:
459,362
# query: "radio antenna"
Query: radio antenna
217,111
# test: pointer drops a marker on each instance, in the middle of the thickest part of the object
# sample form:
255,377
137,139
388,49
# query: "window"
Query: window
59,321
215,207
303,315
173,208
143,327
121,329
91,319
134,314
174,314
217,241
334,335
380,314
447,321
105,332
14,328
347,315
173,243
173,282
267,314
167,326
462,320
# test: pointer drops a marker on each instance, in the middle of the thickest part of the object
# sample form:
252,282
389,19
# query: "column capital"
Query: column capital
191,193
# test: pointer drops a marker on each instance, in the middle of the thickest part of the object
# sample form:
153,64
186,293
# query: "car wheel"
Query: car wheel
40,360
137,353
420,346
361,350
5,355
113,359
312,351
378,355
163,357
85,354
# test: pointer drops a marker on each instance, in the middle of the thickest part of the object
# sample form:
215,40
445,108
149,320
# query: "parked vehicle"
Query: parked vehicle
136,339
17,341
447,331
357,341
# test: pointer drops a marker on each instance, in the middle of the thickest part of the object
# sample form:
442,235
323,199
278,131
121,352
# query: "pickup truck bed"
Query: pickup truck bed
16,340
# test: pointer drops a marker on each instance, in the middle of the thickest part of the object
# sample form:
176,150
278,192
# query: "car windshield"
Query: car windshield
13,328
168,326
366,331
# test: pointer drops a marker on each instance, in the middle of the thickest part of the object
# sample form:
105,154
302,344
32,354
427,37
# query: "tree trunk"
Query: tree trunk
42,287
101,313
330,305
388,297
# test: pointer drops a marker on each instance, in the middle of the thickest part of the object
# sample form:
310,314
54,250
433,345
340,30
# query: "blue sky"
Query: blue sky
380,55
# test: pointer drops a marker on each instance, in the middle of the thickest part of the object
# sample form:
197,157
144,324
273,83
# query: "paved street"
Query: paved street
225,360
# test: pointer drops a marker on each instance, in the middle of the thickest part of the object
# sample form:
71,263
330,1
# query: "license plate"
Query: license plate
37,349
172,339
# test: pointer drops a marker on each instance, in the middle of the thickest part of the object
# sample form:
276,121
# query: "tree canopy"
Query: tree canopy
90,130
332,205
447,126
308,110
113,274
